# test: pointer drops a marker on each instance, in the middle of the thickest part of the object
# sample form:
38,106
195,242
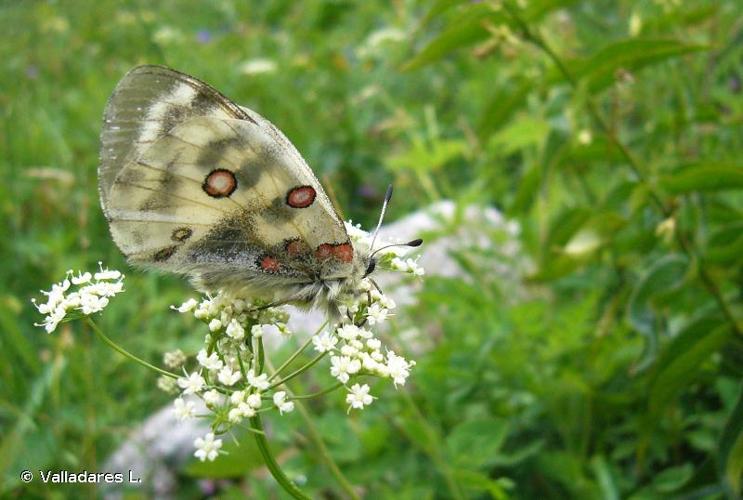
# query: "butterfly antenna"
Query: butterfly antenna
414,243
387,197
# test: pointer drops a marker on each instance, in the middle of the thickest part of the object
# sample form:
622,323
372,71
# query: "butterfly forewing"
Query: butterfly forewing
192,183
147,102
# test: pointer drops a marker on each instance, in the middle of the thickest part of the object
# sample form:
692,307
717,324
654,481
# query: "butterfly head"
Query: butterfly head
372,264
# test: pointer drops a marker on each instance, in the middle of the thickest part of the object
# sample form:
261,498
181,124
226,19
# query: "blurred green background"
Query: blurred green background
612,131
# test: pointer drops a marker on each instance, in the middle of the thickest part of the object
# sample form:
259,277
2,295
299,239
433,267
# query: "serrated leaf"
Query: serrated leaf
705,177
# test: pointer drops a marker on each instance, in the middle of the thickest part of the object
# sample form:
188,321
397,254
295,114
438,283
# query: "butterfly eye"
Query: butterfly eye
371,267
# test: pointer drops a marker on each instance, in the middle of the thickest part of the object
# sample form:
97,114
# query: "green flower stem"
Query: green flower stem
298,371
271,463
686,246
316,439
261,355
297,353
124,352
242,367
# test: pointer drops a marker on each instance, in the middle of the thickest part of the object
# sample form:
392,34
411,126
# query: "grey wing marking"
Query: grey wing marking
147,103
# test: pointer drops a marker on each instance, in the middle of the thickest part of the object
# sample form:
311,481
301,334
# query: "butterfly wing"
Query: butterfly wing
192,183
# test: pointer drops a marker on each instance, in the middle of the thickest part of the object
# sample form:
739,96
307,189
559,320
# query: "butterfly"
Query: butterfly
194,184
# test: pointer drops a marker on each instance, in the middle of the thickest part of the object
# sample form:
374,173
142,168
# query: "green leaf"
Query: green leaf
463,30
667,273
576,235
725,245
528,188
704,177
423,157
537,9
475,443
605,478
673,478
439,7
681,361
730,450
477,481
521,133
515,457
501,106
599,71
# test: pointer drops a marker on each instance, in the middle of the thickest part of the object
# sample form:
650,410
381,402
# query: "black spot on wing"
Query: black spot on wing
249,173
164,254
181,234
212,155
203,103
278,211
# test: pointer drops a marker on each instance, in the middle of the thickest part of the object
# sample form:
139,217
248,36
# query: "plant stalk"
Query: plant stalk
116,347
273,466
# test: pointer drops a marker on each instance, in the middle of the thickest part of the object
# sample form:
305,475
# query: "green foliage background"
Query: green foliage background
612,131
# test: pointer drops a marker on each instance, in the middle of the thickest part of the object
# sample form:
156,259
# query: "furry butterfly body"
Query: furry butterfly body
194,184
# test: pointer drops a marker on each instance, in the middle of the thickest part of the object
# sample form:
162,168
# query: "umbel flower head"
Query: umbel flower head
80,295
235,382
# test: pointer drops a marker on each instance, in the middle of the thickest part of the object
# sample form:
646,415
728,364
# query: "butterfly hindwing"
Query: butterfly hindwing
192,183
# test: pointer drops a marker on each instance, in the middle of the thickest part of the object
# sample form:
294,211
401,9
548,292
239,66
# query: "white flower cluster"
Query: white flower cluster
91,296
353,347
229,376
228,373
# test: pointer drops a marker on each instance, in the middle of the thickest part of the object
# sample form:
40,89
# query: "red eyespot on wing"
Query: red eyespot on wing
219,183
269,264
324,251
301,197
295,247
343,252
340,251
